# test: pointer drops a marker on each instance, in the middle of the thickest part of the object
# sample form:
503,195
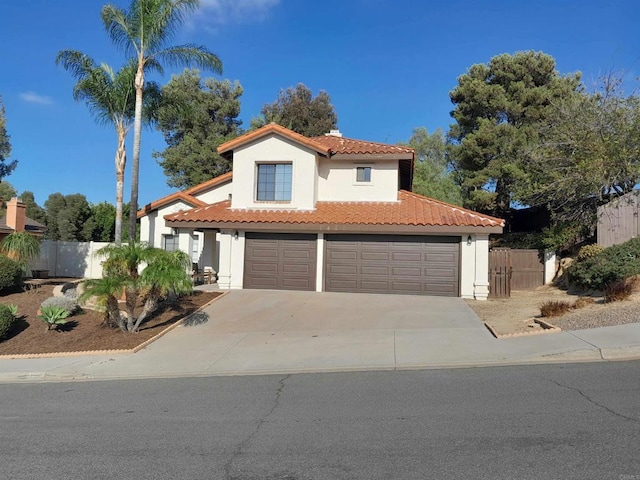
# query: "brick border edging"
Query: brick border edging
547,328
135,349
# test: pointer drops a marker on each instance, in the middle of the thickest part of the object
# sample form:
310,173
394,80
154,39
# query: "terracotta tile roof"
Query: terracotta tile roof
268,130
343,145
186,196
410,210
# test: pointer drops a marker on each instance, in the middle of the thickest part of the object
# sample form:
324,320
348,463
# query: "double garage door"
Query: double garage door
418,265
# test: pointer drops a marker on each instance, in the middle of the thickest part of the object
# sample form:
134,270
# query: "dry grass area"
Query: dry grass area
516,315
85,331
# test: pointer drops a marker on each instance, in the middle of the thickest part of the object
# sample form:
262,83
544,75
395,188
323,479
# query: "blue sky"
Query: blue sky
388,66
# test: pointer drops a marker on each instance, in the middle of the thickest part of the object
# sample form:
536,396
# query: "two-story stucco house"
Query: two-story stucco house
327,214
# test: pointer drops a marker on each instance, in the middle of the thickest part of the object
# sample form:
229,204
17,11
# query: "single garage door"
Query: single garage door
280,261
416,265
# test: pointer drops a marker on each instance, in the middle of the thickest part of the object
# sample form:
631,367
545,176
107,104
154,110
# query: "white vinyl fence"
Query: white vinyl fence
70,259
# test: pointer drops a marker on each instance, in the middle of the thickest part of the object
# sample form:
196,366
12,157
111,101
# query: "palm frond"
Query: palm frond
192,56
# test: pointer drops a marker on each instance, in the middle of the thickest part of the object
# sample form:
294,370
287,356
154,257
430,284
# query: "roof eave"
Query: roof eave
341,227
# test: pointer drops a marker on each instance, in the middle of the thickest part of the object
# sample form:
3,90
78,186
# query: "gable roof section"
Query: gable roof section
411,210
270,129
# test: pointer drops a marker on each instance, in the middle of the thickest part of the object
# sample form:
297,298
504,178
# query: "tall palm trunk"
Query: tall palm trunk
135,167
121,161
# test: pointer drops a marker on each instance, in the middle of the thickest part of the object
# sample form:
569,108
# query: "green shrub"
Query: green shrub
10,273
7,319
589,251
53,316
614,264
70,305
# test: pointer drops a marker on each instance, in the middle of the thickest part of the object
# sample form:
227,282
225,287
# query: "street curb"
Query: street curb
22,356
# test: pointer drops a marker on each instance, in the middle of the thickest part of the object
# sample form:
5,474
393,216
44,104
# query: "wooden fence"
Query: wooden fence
514,270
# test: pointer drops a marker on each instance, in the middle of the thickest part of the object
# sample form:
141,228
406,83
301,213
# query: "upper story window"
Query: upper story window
363,174
274,182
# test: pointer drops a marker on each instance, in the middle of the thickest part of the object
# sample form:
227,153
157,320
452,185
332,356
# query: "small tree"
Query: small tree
164,273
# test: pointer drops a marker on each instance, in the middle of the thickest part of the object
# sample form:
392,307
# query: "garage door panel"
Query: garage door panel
343,255
280,261
264,268
374,256
296,268
342,285
407,272
427,265
375,270
375,285
350,270
407,287
413,257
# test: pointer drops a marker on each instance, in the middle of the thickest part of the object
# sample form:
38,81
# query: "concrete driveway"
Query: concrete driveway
258,331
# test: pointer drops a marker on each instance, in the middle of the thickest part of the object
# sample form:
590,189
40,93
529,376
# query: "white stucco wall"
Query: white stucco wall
474,266
216,194
274,149
337,181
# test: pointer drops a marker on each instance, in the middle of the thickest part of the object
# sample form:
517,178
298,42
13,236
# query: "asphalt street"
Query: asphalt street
575,421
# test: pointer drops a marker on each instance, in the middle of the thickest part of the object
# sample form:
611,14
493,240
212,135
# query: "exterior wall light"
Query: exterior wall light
235,235
469,240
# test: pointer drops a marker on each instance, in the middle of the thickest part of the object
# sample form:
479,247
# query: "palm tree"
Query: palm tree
164,273
110,97
143,32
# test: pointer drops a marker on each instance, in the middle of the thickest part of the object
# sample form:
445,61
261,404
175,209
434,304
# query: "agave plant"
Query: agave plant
53,316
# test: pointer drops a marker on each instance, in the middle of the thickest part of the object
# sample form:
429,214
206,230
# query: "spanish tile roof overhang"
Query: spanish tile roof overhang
187,196
411,214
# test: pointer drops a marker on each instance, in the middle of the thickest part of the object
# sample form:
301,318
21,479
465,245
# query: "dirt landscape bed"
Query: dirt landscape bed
85,331
516,315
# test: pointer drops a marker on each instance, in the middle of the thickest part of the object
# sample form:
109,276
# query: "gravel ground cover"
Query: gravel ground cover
516,315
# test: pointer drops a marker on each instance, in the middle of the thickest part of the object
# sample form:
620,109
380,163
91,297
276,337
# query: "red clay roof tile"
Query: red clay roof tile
410,209
343,145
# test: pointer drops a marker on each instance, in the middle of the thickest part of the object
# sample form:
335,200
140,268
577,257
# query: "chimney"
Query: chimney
16,214
333,133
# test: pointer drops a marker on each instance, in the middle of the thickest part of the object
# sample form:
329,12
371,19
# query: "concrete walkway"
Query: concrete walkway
263,332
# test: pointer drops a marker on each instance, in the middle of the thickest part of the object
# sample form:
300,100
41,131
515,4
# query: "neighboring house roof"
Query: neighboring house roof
30,226
411,210
187,196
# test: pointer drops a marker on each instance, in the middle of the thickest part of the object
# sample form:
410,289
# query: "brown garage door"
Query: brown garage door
280,261
416,265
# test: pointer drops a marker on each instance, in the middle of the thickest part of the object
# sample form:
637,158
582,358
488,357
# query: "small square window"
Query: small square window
363,174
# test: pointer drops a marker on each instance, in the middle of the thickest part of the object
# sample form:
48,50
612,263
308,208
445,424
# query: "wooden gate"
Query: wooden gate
514,270
499,273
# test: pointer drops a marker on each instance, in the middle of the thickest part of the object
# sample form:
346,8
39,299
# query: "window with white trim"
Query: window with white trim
274,182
